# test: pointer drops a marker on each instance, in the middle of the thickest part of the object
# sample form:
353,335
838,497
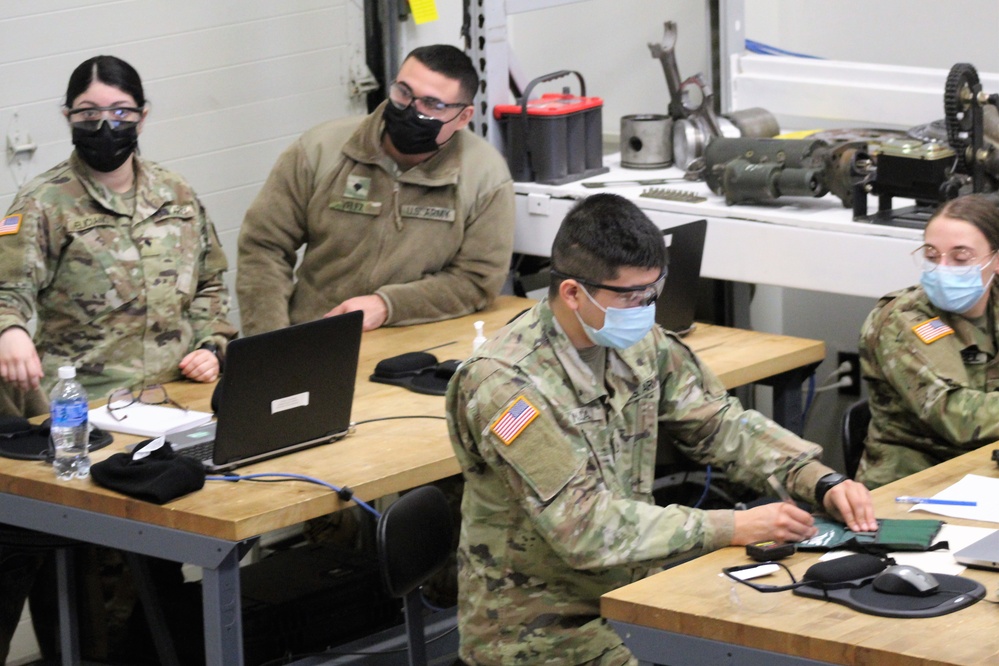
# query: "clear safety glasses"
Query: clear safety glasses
91,117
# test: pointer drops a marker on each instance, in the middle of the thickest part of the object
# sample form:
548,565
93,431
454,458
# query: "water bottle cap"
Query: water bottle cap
67,372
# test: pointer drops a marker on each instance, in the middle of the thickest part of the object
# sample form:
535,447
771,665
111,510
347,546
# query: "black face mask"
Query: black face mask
411,134
105,149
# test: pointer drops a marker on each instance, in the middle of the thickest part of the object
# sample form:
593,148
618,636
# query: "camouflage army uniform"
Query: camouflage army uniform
124,288
563,512
930,401
434,241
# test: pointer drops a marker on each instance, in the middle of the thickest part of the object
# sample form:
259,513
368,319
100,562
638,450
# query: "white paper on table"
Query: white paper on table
972,488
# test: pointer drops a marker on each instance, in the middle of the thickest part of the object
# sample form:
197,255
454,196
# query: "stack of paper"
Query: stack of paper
147,420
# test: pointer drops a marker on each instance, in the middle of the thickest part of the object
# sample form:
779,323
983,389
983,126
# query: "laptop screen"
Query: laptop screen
676,306
287,389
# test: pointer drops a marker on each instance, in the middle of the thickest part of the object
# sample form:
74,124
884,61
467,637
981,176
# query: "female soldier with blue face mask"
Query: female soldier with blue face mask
929,352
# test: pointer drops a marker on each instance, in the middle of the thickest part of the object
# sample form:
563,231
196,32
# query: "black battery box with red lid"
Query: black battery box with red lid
555,138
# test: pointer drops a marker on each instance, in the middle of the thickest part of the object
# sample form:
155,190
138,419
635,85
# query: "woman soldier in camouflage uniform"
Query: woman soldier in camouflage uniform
118,260
929,352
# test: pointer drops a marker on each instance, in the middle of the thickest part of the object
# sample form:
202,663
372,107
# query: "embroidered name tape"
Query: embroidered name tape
513,421
10,224
932,329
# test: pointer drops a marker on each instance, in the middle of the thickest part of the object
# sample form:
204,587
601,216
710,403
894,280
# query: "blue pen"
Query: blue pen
905,499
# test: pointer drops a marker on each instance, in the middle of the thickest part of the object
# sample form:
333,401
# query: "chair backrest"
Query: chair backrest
855,421
415,538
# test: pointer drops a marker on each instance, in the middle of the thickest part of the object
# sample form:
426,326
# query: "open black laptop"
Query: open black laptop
281,391
676,306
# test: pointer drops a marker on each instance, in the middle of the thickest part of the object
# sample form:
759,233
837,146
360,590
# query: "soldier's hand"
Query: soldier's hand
200,365
19,362
374,309
850,503
780,521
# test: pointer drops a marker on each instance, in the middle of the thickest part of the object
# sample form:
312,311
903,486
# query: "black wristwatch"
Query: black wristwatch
214,348
825,483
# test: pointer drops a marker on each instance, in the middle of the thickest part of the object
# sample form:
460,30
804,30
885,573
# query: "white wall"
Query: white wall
231,83
918,33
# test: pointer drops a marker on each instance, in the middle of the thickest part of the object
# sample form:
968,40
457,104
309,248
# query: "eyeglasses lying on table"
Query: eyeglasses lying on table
153,394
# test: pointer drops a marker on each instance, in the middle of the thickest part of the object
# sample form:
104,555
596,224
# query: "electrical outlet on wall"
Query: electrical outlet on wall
854,374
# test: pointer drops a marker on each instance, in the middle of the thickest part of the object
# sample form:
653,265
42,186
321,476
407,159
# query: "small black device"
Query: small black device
995,456
770,551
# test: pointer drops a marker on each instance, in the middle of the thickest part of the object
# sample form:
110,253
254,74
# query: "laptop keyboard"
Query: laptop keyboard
202,451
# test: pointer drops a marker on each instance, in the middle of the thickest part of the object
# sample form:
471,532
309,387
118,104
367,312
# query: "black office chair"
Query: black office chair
414,538
855,421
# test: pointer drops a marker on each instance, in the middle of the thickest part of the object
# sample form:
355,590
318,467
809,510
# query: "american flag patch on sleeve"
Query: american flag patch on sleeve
932,329
10,224
513,421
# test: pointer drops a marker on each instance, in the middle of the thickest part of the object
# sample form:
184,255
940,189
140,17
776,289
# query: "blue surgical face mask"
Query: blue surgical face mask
952,288
622,327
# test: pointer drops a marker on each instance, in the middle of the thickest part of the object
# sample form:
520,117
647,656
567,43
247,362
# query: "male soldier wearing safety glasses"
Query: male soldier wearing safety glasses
403,215
555,422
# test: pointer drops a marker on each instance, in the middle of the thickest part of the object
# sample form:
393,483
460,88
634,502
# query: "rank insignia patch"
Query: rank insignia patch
10,224
931,330
513,421
358,187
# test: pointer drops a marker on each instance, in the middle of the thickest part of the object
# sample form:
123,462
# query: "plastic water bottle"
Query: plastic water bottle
70,432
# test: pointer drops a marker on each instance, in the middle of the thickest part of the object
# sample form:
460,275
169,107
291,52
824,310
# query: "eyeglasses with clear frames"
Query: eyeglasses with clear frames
153,394
91,117
628,297
961,260
402,96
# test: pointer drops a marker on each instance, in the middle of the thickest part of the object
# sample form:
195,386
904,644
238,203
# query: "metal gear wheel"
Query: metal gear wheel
958,92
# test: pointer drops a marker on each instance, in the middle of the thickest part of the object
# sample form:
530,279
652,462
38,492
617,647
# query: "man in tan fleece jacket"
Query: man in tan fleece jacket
403,215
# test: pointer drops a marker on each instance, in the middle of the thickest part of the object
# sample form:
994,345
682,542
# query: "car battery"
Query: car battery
554,139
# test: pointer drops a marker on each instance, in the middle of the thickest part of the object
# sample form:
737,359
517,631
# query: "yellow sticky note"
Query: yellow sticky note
424,11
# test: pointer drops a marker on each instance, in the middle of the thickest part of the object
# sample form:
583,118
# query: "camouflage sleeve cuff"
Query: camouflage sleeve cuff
805,479
719,529
11,321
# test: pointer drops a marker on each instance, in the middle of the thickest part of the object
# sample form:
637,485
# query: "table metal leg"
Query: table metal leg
787,397
69,630
223,618
153,609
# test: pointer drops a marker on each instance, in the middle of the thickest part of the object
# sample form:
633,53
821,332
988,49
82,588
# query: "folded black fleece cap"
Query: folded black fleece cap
417,371
155,475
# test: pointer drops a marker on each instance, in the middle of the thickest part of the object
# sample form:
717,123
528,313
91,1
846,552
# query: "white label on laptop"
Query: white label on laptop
290,402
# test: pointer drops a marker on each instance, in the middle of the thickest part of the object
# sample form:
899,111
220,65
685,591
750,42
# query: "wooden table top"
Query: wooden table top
691,599
381,457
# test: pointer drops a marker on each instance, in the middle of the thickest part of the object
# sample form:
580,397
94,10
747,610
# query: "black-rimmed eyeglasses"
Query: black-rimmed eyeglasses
153,394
